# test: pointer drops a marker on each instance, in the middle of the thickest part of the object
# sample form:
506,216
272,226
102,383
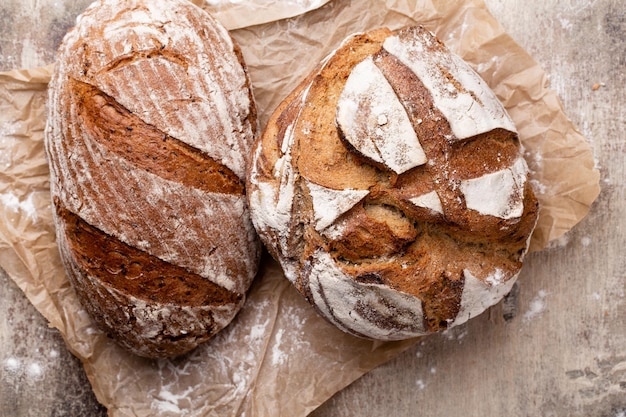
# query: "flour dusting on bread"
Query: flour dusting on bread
408,208
151,120
469,105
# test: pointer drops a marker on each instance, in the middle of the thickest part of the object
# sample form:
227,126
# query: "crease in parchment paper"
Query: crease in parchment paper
278,357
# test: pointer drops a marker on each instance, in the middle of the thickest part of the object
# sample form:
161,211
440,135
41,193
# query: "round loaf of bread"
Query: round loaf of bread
150,124
391,187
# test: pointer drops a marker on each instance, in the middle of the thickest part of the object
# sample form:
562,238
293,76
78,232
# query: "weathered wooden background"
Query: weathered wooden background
558,348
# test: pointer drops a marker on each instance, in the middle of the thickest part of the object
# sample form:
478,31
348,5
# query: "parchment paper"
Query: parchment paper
236,14
277,358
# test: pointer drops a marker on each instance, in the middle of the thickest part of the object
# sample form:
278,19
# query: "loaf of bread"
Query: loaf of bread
150,124
391,187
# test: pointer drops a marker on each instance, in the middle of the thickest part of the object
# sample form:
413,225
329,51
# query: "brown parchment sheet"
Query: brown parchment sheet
277,358
236,14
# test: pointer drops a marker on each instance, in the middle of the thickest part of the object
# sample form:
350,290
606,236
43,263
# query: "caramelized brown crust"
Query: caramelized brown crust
321,149
137,273
125,134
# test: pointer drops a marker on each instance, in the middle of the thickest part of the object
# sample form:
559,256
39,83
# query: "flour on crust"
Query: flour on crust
391,187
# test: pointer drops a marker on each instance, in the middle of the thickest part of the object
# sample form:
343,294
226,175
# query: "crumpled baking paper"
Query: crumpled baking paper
236,14
278,357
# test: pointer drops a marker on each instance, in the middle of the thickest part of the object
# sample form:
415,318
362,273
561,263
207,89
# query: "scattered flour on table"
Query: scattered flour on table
538,187
17,368
537,306
291,343
560,242
12,202
5,156
34,370
12,364
565,23
167,401
421,383
278,356
7,143
457,333
257,331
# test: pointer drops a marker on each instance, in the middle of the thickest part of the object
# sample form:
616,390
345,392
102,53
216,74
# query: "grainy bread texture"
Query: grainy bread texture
391,187
151,120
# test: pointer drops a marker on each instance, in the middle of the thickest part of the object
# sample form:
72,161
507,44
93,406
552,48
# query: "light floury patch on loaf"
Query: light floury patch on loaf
478,295
372,119
373,310
329,204
154,320
429,200
466,101
271,202
499,193
202,85
336,230
151,323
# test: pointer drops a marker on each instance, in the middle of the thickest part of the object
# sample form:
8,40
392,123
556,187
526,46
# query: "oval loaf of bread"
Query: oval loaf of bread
391,187
151,119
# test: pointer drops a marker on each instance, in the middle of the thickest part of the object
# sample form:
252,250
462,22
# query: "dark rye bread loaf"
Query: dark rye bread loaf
391,187
151,119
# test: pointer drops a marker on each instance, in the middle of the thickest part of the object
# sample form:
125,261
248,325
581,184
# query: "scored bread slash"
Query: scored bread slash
151,119
391,187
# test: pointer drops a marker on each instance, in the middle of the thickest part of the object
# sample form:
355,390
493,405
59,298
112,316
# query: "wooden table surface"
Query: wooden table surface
558,348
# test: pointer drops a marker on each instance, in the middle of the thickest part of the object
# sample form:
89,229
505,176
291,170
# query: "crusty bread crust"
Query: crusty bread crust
151,119
391,187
